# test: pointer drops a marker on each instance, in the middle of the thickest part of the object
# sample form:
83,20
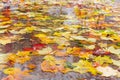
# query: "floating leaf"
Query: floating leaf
11,71
30,29
91,39
113,50
45,51
116,62
49,58
69,65
107,71
3,58
5,40
101,60
78,37
10,77
91,47
83,66
47,66
41,35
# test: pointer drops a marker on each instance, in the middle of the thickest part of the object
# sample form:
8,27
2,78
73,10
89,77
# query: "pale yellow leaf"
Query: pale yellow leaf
45,51
107,71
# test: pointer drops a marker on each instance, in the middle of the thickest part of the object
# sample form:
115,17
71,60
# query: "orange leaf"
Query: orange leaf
46,66
60,53
76,50
31,66
10,77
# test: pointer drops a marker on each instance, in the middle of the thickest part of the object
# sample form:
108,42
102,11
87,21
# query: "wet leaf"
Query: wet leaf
113,50
49,58
45,51
69,65
5,40
11,71
101,60
107,71
91,47
48,67
3,58
116,62
83,66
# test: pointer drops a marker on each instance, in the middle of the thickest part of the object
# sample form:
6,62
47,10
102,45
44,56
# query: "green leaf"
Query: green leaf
69,65
113,0
118,43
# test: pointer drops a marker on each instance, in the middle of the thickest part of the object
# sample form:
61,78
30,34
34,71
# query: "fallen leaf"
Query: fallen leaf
113,50
60,53
11,71
107,71
91,47
45,51
83,66
46,66
116,62
101,60
78,38
5,40
3,58
49,58
10,77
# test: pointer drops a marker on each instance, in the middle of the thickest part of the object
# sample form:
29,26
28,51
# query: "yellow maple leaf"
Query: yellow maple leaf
83,66
101,60
41,35
11,71
49,58
57,34
15,71
23,53
30,29
46,40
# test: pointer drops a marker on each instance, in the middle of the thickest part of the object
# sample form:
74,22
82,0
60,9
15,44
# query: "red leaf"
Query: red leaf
38,46
28,49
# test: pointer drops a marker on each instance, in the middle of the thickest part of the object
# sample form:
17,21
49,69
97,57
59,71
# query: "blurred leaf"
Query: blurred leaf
45,51
49,58
3,58
116,62
69,65
107,71
101,60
